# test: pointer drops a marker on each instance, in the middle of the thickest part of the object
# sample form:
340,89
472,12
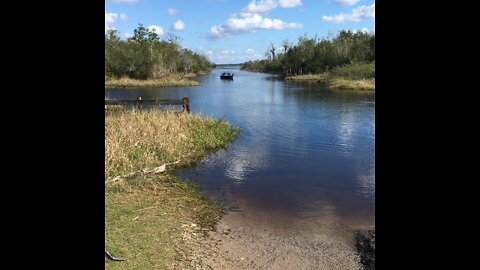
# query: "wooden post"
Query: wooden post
186,104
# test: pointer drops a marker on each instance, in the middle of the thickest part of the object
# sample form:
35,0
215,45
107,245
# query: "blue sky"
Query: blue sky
235,31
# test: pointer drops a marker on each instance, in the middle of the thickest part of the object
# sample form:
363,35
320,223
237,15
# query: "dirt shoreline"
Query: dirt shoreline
240,245
259,238
245,247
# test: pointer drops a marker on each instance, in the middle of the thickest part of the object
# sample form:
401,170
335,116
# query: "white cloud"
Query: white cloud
127,35
216,31
113,18
346,2
249,22
172,11
158,29
250,19
205,52
179,25
358,14
256,21
289,3
124,1
250,51
262,6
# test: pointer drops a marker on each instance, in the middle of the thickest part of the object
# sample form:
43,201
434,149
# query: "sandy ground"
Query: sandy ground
241,244
253,237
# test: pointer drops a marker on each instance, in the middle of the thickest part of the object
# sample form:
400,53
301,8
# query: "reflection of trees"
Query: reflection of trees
312,92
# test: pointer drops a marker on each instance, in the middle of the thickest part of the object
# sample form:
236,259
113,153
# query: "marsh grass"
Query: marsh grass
308,77
164,82
156,221
358,76
114,108
358,84
356,71
136,139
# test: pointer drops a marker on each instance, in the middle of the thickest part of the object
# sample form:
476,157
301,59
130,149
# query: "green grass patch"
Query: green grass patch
114,108
156,225
356,71
157,221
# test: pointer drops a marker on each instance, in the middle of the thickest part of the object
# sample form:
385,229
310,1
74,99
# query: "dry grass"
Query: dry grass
357,76
143,139
164,82
336,82
308,77
156,221
365,84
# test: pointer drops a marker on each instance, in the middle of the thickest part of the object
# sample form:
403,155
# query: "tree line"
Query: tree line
145,56
315,55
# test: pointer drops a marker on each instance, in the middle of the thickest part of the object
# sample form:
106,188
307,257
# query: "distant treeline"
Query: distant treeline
145,56
228,65
314,55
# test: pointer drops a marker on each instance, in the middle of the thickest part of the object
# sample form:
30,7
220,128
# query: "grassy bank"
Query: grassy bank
337,82
156,221
164,82
359,76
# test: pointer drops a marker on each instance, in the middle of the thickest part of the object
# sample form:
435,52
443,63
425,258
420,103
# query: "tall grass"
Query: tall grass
164,82
156,221
357,76
355,71
140,139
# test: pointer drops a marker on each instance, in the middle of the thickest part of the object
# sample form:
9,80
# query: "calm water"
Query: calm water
305,155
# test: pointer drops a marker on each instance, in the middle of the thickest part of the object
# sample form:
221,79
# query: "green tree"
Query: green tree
140,34
152,36
112,35
144,56
314,55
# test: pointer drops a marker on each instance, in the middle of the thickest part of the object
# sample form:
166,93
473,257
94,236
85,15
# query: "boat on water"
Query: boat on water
226,76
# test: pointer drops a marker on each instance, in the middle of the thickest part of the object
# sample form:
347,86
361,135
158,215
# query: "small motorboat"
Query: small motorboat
226,76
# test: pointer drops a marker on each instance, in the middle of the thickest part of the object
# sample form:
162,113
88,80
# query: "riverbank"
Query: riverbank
164,82
337,82
357,76
239,244
154,219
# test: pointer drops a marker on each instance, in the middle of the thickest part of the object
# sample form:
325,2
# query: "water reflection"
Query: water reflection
305,152
244,161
